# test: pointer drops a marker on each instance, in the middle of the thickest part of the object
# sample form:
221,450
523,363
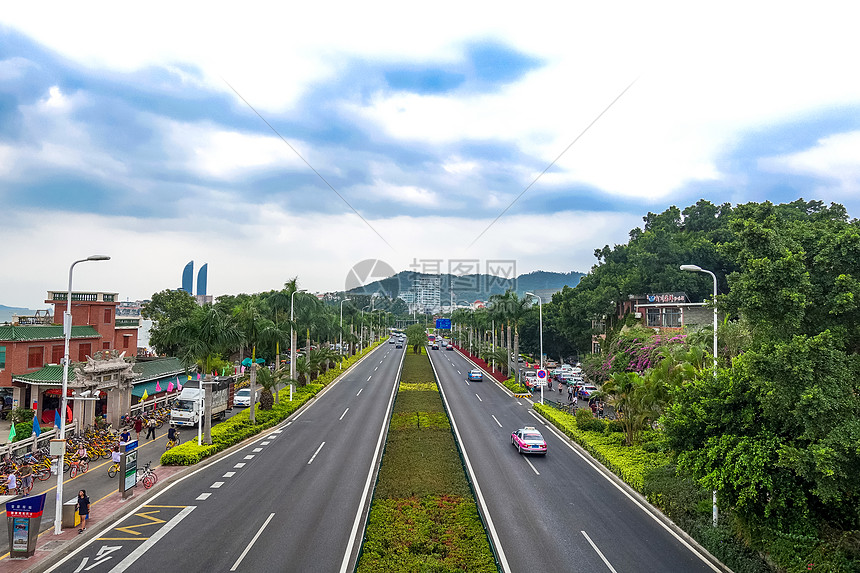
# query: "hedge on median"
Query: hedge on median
239,427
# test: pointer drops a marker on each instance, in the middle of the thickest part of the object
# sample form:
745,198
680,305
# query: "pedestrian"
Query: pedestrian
593,408
150,429
138,426
11,483
559,388
570,393
83,507
125,437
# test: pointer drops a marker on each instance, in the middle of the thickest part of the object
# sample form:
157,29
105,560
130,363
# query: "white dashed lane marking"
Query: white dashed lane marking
229,474
479,398
497,421
240,465
249,457
217,484
359,392
257,450
203,496
310,461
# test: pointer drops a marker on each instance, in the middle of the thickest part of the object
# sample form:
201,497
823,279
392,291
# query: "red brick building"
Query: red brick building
26,348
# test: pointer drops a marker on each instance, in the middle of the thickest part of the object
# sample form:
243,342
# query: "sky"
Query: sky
275,140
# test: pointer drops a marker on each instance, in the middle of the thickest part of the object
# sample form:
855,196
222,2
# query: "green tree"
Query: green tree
416,337
164,308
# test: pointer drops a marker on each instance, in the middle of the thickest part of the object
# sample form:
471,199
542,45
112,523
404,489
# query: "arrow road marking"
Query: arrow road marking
146,545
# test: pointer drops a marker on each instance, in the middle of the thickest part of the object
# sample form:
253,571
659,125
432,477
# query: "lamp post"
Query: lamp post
361,334
540,321
293,343
698,269
67,333
341,330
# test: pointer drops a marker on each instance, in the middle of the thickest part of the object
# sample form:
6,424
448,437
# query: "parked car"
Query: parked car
528,441
586,390
242,397
475,375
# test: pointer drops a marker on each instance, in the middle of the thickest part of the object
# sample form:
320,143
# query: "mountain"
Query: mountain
6,312
470,288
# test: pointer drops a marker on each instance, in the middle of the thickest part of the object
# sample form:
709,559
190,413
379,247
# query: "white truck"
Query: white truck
187,408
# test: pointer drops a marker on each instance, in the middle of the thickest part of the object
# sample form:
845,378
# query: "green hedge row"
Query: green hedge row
630,463
239,428
511,384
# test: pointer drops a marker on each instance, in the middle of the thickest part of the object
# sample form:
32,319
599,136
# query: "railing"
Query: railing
152,403
32,443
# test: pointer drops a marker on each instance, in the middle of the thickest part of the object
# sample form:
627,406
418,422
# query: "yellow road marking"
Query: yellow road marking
122,538
145,514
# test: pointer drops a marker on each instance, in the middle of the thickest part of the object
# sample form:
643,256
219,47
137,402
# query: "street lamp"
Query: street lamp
341,330
293,342
698,269
67,332
540,320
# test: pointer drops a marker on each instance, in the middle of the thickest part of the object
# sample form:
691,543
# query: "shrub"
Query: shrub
512,385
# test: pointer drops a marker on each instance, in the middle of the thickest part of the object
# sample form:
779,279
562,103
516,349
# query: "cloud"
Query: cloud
833,160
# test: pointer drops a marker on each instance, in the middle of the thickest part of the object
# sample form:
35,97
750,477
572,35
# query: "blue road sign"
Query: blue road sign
443,323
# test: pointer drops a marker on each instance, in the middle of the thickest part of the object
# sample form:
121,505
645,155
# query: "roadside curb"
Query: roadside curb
643,502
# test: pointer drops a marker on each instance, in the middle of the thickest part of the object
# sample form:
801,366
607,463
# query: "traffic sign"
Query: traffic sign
541,374
443,323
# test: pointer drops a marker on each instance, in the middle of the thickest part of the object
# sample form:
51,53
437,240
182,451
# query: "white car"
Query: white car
242,397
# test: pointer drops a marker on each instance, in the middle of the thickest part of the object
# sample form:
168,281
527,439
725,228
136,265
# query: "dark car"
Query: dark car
435,346
398,345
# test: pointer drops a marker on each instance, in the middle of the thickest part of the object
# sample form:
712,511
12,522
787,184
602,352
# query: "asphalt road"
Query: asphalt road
294,499
555,512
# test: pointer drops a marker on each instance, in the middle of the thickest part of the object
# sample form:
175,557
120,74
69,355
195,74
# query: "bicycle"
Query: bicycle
149,478
113,470
78,466
174,442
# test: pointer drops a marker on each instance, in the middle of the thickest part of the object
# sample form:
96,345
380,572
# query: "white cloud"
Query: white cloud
834,158
215,152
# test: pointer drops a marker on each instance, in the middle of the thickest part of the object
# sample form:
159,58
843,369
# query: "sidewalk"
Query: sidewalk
102,513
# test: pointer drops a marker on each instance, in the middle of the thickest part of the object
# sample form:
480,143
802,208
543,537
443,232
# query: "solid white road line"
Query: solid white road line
499,423
203,496
344,567
344,413
250,545
146,545
229,474
503,560
479,398
359,392
593,546
217,484
635,501
310,461
534,469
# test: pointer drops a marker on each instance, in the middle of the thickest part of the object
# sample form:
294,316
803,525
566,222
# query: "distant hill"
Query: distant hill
470,288
6,312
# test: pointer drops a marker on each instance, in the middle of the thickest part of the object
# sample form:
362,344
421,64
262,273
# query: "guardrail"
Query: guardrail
152,403
33,442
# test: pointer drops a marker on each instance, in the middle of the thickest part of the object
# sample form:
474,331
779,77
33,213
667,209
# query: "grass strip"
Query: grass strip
423,516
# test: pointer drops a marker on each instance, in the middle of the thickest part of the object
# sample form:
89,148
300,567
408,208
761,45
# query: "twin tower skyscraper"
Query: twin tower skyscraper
188,279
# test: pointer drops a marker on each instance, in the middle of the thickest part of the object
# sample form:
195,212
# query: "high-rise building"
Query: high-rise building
201,279
188,278
427,293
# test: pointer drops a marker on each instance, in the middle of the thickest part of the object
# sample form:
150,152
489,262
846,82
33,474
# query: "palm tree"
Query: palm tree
269,381
256,328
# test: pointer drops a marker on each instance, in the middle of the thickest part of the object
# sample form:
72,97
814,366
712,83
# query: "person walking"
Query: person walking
559,388
138,426
570,393
150,428
11,483
83,507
